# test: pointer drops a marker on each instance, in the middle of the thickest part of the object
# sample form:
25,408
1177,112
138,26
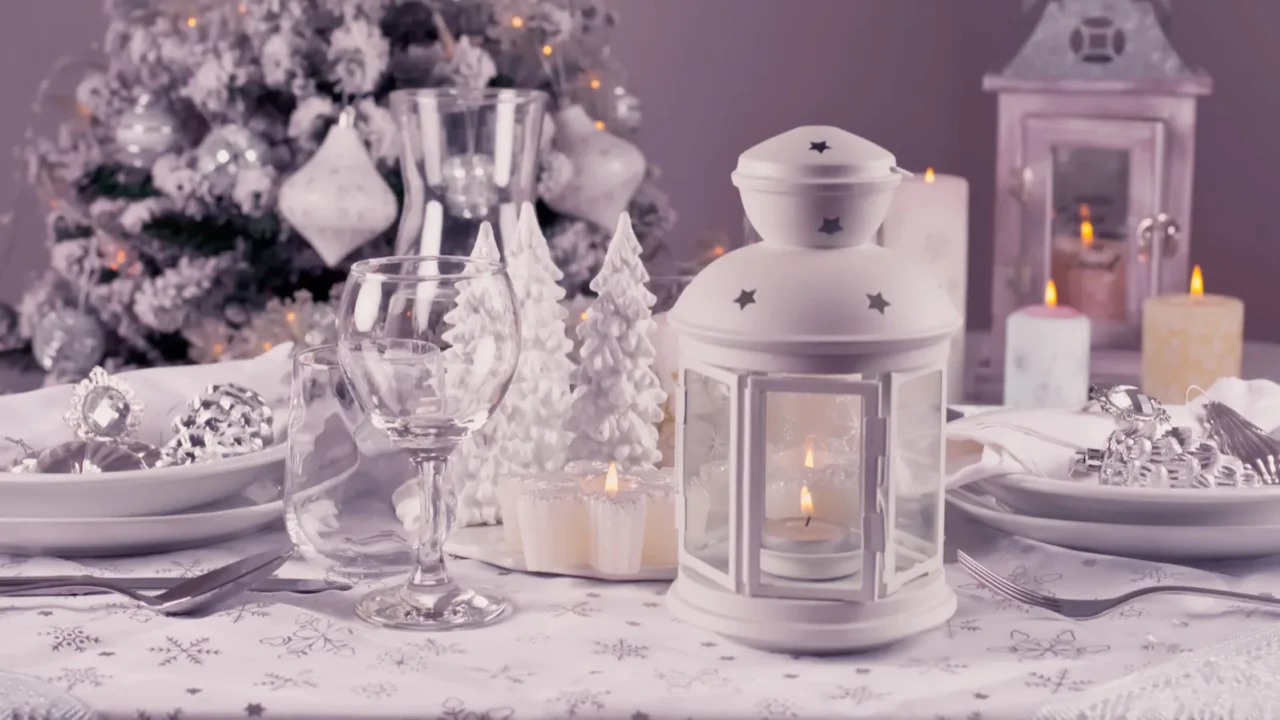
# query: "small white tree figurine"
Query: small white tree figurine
473,467
534,438
618,400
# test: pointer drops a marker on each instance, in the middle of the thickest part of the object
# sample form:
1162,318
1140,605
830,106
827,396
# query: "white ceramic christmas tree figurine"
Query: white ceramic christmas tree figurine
618,400
473,467
534,438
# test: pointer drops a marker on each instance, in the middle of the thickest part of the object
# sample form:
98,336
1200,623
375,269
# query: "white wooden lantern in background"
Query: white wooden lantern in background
813,374
1096,144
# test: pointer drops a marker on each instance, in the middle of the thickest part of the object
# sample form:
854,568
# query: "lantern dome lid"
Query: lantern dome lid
814,154
777,298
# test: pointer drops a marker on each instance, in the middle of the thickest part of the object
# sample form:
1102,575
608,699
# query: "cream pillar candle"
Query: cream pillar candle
929,219
1191,339
1046,360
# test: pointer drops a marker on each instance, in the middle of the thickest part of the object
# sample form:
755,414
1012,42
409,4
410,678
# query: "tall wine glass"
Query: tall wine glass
429,344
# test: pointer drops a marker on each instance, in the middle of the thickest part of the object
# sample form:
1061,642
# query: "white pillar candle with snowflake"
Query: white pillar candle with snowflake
617,401
474,467
1046,355
929,222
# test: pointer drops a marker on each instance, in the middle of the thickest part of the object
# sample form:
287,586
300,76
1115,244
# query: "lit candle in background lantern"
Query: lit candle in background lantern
1095,276
929,219
1046,361
1190,339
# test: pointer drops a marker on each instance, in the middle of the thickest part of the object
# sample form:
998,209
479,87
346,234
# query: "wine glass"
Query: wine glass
429,344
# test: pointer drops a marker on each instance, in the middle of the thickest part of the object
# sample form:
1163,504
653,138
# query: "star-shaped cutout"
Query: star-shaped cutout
254,710
193,691
877,302
745,298
830,226
819,147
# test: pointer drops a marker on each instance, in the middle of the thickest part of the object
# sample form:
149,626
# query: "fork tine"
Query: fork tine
1003,587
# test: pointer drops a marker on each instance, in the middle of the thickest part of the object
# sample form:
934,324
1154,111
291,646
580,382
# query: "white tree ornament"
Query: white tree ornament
537,404
473,467
338,201
618,399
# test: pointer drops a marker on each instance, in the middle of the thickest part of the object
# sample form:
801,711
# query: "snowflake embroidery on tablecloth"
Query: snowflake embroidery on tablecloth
506,674
621,649
313,635
174,714
577,701
194,652
72,678
1153,644
704,678
244,611
132,611
406,659
956,628
533,639
1062,646
1156,576
1131,612
254,710
777,708
1056,682
375,690
277,681
932,665
581,608
857,694
1023,578
69,637
1247,611
184,568
455,709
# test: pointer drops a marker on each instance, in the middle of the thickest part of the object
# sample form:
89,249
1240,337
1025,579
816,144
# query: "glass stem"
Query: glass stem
435,521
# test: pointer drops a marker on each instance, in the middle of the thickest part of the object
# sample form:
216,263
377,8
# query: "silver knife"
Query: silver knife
270,585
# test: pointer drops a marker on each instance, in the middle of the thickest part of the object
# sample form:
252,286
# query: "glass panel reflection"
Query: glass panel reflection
708,411
1090,211
918,410
813,472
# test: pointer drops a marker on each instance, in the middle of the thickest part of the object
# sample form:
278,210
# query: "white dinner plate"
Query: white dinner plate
487,544
253,509
1156,542
1087,501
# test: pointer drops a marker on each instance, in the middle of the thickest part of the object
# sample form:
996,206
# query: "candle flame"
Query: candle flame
1051,294
929,175
611,480
1086,233
806,501
1197,282
808,452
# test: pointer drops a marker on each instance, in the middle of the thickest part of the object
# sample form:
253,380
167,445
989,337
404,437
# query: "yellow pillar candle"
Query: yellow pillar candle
1191,339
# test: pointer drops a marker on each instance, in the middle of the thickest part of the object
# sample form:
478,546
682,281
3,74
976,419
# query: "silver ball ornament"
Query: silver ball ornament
469,188
10,338
227,150
144,132
68,340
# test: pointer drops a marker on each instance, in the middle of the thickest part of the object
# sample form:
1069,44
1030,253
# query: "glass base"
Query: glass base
415,609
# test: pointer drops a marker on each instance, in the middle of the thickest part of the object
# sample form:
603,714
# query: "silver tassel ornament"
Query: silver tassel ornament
1238,437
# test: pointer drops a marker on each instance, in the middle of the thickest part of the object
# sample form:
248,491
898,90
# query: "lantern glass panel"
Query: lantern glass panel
708,413
915,472
1089,211
813,469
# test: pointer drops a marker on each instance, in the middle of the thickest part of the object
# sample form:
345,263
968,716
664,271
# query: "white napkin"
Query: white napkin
36,417
1044,442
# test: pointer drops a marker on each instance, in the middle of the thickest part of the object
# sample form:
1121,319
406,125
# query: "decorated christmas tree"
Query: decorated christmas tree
617,401
165,232
473,467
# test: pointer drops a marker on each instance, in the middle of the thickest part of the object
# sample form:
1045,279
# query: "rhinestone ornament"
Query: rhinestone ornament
104,407
227,420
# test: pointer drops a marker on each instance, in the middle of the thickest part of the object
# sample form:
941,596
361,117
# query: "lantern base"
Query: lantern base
812,627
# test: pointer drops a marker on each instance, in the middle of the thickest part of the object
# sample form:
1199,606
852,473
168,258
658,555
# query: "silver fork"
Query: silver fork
190,595
1082,609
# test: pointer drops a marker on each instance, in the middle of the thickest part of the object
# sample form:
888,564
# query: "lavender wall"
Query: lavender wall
717,76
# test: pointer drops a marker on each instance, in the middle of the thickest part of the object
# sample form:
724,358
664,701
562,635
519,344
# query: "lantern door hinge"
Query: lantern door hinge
873,530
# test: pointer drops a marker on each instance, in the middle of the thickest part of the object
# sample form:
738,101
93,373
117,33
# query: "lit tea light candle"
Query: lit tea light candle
1046,360
1190,339
617,520
808,548
828,476
1095,276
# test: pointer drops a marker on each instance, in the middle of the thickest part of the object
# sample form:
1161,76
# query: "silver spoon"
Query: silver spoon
189,595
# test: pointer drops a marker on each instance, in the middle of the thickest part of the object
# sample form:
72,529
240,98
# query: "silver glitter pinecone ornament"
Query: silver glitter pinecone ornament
69,341
144,132
227,420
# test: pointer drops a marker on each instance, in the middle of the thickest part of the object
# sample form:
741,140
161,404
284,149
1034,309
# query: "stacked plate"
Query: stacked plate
140,511
1152,523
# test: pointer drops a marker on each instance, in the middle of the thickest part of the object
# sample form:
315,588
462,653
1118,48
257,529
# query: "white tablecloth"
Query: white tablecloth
579,648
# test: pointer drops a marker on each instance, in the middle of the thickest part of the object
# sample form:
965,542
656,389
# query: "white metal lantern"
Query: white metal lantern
810,413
